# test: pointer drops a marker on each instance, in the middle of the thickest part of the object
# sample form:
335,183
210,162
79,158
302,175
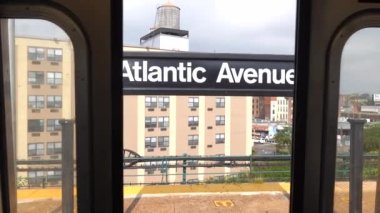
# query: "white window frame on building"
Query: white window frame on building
219,138
193,102
192,140
54,78
54,101
220,102
163,141
54,54
36,53
53,148
163,122
53,125
219,120
150,102
36,77
163,102
36,101
36,149
53,176
35,125
193,121
35,178
150,122
150,142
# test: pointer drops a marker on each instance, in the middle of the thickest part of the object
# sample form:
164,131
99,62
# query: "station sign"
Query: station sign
207,74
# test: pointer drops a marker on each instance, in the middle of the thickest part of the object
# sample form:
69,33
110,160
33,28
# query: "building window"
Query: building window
54,78
35,178
54,101
150,102
54,148
150,122
193,102
54,54
36,101
53,125
35,125
163,102
53,176
193,120
36,149
192,140
163,121
219,138
36,77
219,120
36,54
220,102
150,142
163,141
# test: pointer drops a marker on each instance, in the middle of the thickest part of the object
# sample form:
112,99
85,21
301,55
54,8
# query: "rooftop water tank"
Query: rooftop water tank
167,16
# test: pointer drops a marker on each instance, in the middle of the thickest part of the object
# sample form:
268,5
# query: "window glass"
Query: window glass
357,178
202,123
40,57
35,77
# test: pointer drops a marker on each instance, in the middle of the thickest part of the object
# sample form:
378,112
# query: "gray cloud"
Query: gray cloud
38,29
239,26
360,65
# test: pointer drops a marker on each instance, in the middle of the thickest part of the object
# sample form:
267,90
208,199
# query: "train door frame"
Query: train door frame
312,165
320,40
99,163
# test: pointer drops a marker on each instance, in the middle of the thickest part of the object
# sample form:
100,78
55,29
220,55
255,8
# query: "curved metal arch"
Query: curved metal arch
130,154
351,25
62,17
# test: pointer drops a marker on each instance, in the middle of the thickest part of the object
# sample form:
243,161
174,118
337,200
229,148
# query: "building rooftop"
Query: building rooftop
167,31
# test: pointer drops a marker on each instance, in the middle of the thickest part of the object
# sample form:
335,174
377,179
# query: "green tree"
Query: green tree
283,139
372,138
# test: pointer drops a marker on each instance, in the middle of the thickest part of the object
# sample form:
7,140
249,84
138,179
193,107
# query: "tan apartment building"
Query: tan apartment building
186,125
44,94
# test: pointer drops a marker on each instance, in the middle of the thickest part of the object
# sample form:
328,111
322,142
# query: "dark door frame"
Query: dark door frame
318,24
94,27
323,26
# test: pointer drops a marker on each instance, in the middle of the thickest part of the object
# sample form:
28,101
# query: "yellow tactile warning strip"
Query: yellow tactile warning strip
244,187
55,193
39,193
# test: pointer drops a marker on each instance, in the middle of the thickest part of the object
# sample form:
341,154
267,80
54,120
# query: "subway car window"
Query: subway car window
42,115
208,105
357,187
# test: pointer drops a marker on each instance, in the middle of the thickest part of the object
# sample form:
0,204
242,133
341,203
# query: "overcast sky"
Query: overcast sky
240,26
230,26
360,65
